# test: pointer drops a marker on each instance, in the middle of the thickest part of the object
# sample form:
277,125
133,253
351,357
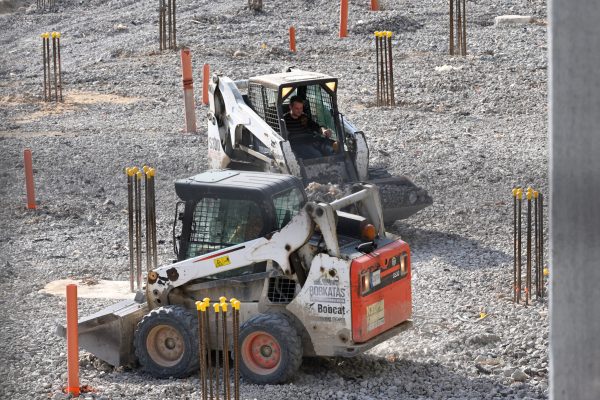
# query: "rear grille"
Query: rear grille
281,290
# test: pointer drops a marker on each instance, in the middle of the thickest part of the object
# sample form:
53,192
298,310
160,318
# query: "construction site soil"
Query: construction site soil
467,129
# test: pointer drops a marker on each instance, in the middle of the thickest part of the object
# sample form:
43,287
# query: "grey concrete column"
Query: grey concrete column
575,199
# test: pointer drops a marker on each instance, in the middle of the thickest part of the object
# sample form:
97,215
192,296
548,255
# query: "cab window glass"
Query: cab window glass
218,223
287,205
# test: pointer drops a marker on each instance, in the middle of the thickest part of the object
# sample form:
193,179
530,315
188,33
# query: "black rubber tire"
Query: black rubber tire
282,330
161,329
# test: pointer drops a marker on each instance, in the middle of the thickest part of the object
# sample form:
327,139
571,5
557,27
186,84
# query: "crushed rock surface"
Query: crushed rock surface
467,130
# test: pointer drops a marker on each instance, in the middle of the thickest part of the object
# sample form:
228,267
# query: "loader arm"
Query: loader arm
277,248
228,107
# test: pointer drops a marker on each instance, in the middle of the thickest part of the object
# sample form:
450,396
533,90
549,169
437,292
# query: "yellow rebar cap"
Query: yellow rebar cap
151,172
224,307
217,306
535,194
529,193
514,192
233,300
236,305
520,194
388,34
129,171
222,299
206,300
201,306
139,174
145,168
45,35
135,169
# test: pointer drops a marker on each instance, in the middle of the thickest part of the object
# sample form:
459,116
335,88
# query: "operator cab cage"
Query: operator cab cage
269,97
226,207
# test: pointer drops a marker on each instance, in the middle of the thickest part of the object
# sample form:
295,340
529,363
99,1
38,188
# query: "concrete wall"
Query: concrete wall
575,199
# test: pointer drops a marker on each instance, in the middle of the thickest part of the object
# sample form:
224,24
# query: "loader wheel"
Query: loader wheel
166,342
271,349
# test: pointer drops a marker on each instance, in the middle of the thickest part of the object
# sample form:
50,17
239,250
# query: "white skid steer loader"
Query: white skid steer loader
312,280
248,131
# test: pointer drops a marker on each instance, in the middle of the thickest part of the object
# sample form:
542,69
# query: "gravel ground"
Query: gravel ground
466,129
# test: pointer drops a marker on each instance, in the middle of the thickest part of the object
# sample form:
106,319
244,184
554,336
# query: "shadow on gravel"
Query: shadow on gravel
408,379
455,250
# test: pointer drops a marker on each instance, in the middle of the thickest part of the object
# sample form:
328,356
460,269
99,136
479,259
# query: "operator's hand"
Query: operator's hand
327,133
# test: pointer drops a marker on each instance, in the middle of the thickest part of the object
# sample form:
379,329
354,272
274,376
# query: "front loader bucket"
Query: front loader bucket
108,334
400,198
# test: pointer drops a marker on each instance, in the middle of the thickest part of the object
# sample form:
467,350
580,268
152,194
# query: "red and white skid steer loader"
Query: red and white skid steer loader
314,279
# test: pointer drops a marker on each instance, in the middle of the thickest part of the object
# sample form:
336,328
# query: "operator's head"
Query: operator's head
296,106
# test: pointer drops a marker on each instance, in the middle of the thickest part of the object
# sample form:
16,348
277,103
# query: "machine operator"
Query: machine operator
300,129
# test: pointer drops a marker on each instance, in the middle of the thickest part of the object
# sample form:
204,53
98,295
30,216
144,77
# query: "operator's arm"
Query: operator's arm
315,127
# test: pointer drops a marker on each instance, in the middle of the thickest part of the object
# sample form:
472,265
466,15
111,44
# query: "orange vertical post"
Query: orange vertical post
292,39
29,179
344,18
72,341
374,5
205,77
188,90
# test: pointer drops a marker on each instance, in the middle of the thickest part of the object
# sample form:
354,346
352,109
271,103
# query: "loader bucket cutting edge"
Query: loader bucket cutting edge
108,334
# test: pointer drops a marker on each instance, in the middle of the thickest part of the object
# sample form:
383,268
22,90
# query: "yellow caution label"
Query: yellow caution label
375,315
222,261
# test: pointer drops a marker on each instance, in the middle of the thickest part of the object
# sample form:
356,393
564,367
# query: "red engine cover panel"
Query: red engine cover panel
381,290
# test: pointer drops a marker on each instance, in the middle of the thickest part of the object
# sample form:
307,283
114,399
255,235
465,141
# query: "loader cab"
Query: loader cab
223,208
269,96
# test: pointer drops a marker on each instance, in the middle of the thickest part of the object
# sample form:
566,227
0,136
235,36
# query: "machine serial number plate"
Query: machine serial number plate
375,315
222,261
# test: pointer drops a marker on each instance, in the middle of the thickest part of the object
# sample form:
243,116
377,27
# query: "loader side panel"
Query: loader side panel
381,291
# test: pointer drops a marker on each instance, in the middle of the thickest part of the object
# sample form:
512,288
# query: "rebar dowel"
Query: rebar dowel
201,310
48,66
386,77
389,41
451,27
55,69
130,210
459,27
59,68
541,199
208,354
464,28
529,254
514,285
45,59
226,383
216,307
147,215
138,229
170,23
377,68
174,26
160,24
536,243
154,239
236,351
519,207
206,300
